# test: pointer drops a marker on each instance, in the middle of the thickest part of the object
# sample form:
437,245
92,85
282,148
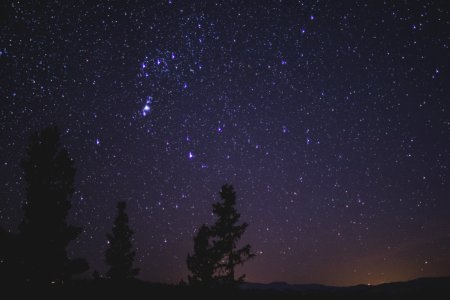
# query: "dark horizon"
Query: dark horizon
331,120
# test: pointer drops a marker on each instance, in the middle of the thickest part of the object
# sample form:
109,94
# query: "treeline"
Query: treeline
37,254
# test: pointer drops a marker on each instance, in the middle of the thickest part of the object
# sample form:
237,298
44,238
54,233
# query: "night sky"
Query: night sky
330,118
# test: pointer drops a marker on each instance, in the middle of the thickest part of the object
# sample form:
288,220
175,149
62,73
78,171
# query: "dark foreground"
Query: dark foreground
425,288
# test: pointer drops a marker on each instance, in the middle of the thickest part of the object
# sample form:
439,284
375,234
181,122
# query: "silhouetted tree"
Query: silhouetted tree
96,275
227,233
120,254
215,255
182,283
10,257
44,232
203,262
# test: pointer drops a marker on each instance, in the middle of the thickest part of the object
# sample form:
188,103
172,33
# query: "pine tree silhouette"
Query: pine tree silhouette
120,255
203,261
44,232
227,233
215,255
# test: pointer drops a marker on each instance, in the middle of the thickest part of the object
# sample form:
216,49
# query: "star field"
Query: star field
330,119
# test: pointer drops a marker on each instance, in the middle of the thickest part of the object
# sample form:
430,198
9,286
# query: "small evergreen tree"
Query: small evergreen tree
44,232
96,275
203,261
120,255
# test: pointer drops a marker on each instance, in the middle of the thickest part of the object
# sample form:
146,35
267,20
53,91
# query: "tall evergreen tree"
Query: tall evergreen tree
227,233
44,232
215,255
120,255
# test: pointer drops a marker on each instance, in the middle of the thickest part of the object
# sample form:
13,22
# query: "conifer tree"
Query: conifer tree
120,255
227,233
44,233
215,248
202,262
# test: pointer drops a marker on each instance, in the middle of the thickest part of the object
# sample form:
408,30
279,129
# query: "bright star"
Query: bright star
147,106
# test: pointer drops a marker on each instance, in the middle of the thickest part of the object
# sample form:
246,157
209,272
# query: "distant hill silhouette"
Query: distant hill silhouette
423,288
284,286
427,288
